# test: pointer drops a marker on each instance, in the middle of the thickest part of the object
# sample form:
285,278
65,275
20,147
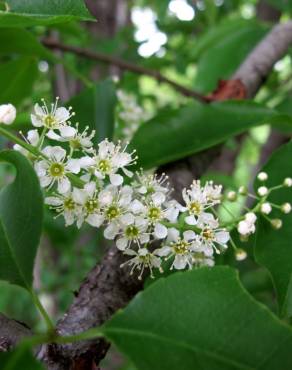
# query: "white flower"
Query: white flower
55,119
55,168
181,248
32,139
286,208
77,140
7,114
262,176
211,235
266,208
142,259
150,184
134,231
198,199
263,191
247,226
87,199
64,205
109,159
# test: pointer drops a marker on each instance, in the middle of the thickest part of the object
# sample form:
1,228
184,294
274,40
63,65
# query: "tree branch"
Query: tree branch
126,66
11,332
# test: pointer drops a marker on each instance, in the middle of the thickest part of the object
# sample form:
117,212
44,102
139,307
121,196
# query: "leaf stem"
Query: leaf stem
43,312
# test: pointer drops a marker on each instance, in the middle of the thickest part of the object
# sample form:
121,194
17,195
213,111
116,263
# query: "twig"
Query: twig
125,65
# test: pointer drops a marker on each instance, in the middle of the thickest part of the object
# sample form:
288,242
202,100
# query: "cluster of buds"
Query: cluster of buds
247,223
95,185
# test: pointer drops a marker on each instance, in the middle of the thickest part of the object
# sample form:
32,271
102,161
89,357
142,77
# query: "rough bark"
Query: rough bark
11,333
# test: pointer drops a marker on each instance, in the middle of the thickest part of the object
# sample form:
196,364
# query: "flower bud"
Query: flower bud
7,114
231,196
276,223
288,182
240,255
250,218
242,190
286,208
266,208
262,176
262,191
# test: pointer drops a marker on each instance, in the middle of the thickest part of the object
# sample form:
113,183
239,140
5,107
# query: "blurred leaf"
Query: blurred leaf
42,12
20,41
284,5
95,107
201,319
21,213
17,78
221,60
20,358
273,248
175,134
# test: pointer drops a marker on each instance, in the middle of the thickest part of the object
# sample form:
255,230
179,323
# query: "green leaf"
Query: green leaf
42,12
201,319
20,358
175,134
95,107
273,248
222,59
20,41
18,77
21,213
284,5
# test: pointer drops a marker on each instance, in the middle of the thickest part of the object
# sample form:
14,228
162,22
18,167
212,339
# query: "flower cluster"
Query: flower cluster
130,114
95,185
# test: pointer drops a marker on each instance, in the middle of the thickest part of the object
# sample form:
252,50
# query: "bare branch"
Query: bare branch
126,66
259,63
11,332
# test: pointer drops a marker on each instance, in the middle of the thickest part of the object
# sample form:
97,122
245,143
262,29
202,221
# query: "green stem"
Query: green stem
43,312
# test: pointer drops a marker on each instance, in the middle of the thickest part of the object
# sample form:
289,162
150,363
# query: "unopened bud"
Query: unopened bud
231,196
242,190
262,176
276,223
263,191
286,208
266,208
288,182
240,255
7,114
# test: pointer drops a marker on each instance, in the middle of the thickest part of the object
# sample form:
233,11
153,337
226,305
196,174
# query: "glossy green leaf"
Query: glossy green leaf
201,319
20,358
273,249
175,134
42,12
18,77
21,213
222,59
20,41
95,107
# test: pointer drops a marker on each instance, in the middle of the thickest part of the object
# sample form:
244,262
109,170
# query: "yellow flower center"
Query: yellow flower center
181,247
104,166
50,121
208,234
112,212
195,208
91,205
75,144
154,213
56,169
132,232
69,204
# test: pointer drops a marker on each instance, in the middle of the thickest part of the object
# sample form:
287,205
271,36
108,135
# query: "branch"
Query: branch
107,287
126,66
11,332
259,63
